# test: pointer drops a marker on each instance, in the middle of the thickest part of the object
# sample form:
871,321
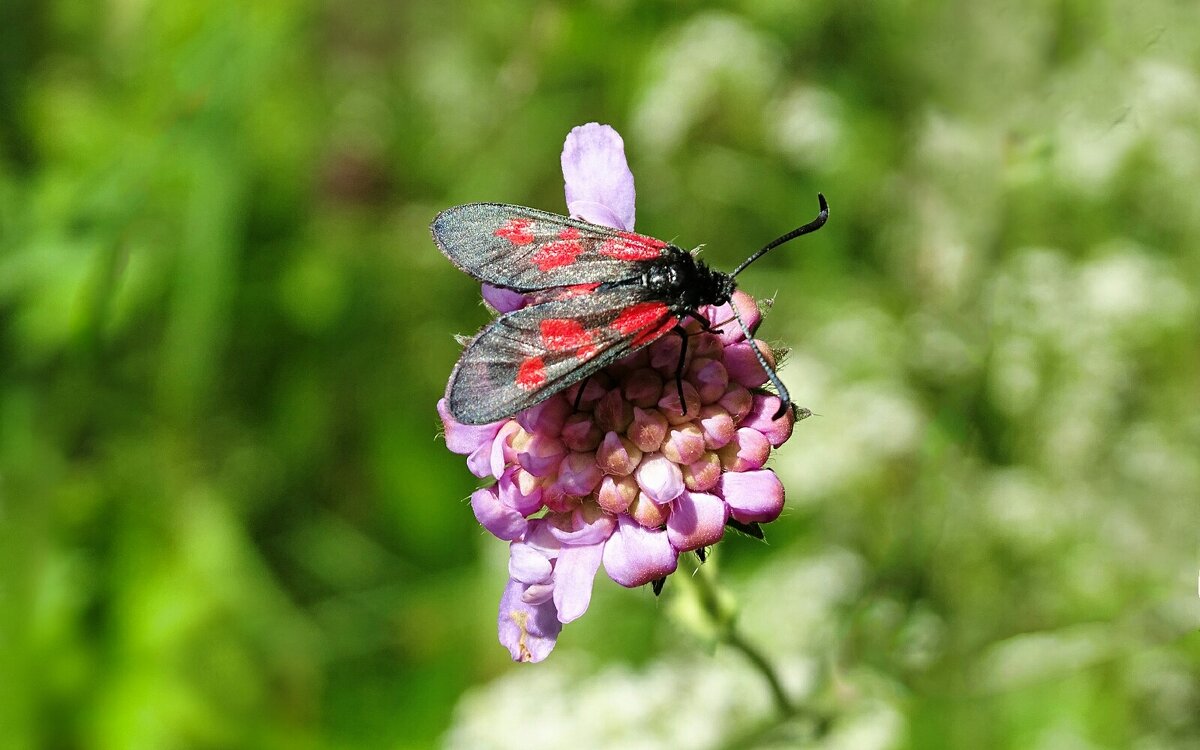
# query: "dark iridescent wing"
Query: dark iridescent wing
526,249
526,356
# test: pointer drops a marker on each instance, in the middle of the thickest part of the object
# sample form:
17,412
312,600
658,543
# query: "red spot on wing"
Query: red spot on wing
653,334
565,335
630,246
531,374
516,231
557,254
639,317
570,233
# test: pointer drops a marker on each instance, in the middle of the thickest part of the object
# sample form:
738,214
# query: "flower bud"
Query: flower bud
703,474
617,455
545,418
593,391
578,474
743,366
613,412
664,354
643,387
684,443
737,401
722,316
709,378
659,478
717,426
580,433
538,454
649,513
761,418
616,493
747,451
649,429
669,403
705,346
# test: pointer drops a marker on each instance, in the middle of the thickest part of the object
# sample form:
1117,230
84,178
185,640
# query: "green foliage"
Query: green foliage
226,519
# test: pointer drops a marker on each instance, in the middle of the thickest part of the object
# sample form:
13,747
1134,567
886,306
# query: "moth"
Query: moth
593,296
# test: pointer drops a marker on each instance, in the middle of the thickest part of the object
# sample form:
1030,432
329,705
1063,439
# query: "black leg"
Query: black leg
683,339
579,396
704,324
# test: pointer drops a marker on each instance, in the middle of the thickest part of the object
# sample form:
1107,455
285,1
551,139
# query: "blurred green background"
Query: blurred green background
226,517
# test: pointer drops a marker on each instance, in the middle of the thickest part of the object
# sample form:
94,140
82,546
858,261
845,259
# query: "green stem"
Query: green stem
725,625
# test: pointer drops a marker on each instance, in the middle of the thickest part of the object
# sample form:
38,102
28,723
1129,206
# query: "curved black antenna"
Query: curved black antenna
811,226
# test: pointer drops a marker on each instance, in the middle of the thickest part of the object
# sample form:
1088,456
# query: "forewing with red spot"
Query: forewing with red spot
526,356
526,249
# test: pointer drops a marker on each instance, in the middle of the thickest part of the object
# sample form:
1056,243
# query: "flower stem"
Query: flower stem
725,625
724,621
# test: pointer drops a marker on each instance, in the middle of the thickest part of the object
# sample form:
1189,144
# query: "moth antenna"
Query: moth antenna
811,226
785,400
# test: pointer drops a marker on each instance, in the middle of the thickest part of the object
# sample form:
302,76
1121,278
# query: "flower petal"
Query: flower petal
761,418
721,316
752,496
697,520
495,516
573,576
465,439
599,185
528,631
527,565
634,555
522,500
743,366
578,529
659,478
502,300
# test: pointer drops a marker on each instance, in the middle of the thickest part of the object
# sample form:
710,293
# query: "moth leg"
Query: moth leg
683,339
579,396
703,321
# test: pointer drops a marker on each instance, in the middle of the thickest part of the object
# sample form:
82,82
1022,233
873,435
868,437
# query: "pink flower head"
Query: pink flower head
632,477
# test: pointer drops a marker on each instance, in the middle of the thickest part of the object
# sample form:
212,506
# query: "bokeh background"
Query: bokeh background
226,516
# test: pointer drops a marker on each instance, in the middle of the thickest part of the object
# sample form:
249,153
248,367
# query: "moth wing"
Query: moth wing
526,249
524,357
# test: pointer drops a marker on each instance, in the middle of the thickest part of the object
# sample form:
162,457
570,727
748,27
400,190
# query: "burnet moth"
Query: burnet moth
594,295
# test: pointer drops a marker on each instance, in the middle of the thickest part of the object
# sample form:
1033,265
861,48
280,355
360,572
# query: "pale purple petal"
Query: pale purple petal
495,516
760,417
527,565
578,474
541,537
502,450
538,593
599,185
528,631
659,478
512,495
697,520
578,529
480,462
541,455
635,555
502,300
752,496
746,452
547,417
464,438
573,576
743,366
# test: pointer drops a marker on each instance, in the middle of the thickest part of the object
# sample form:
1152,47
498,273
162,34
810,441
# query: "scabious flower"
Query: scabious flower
632,477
